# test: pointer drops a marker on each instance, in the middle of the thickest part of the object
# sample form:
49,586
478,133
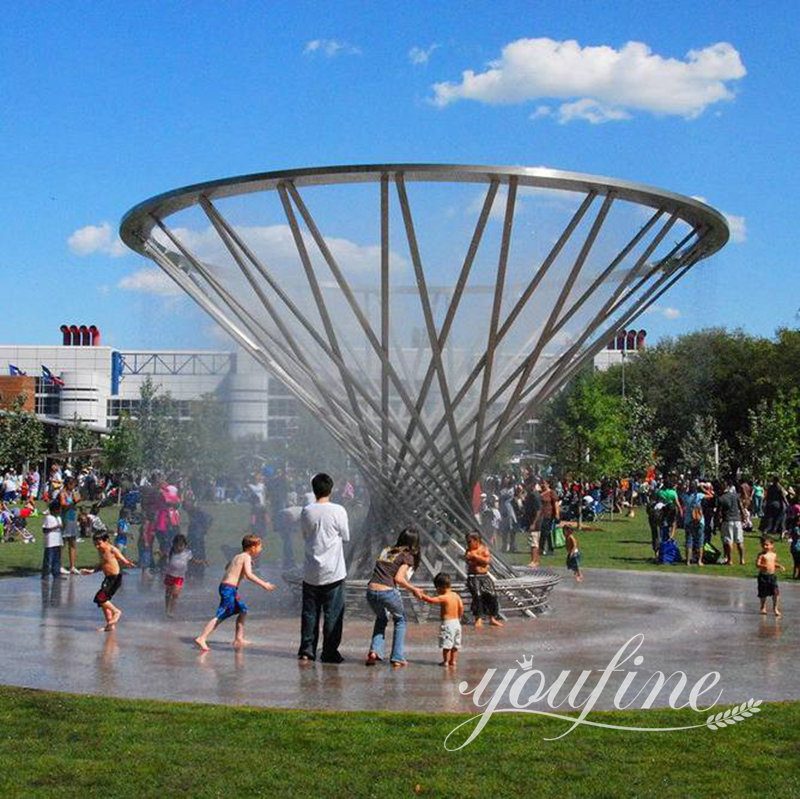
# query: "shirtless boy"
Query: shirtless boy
452,609
230,603
480,582
767,565
110,559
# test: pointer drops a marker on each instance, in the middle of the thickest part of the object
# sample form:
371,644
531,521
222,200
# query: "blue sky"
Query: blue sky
104,105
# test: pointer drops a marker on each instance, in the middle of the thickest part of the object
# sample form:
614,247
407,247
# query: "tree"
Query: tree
643,435
590,429
716,372
122,448
699,444
773,437
21,435
158,439
157,419
204,447
76,437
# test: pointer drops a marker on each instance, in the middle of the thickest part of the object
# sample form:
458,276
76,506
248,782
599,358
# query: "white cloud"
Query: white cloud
666,311
600,83
97,239
150,280
736,224
541,111
275,245
330,48
591,111
419,57
738,227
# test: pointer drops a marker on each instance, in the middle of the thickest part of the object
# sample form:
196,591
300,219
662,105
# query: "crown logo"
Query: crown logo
526,662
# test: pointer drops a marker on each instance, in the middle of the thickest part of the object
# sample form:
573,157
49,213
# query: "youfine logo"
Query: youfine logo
527,690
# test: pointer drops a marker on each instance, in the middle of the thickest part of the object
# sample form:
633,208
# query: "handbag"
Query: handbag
559,540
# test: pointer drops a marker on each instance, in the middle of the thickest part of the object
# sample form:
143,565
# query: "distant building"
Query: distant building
82,379
626,344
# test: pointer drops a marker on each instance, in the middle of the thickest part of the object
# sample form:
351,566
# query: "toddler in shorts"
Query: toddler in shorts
175,573
452,609
573,552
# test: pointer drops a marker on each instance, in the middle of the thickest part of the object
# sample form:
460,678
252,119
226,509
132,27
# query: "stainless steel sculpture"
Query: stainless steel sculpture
423,312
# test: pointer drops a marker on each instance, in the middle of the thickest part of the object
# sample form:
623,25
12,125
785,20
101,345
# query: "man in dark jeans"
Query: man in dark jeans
325,529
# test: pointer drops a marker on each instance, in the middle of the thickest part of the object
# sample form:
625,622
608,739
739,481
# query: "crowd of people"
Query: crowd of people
540,508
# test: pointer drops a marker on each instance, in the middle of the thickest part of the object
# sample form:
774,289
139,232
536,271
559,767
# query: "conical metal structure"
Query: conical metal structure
423,312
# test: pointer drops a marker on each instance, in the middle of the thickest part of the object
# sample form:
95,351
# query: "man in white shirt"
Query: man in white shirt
325,529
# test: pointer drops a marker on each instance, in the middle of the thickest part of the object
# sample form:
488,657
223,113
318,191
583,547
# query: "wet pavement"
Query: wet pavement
692,623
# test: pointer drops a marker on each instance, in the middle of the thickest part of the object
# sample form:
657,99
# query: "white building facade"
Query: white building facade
100,383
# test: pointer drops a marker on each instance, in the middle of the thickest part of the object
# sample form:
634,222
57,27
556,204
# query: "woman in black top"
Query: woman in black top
774,518
392,571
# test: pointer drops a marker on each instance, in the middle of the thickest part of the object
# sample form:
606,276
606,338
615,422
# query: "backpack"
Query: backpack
669,552
697,513
710,553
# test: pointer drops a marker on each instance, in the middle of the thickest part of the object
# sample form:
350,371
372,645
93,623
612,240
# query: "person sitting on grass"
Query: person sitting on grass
479,581
230,603
767,565
452,609
573,553
110,559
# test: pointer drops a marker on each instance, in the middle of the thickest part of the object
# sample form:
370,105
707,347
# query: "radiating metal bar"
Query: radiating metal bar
524,297
433,338
455,300
557,379
491,343
322,309
218,223
239,311
608,308
385,311
546,335
357,312
366,453
603,276
623,254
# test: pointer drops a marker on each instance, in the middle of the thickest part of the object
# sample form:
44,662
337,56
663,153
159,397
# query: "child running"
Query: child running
479,581
230,603
573,553
123,529
767,564
177,565
452,609
110,559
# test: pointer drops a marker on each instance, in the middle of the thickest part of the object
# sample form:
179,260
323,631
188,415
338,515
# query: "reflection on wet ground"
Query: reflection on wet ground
691,623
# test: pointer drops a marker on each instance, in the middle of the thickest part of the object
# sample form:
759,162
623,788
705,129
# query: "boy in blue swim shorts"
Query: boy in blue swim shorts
230,603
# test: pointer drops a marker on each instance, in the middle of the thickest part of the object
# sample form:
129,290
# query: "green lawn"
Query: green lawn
230,524
618,544
60,745
624,543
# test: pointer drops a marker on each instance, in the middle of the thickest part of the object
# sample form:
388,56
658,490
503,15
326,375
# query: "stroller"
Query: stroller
14,528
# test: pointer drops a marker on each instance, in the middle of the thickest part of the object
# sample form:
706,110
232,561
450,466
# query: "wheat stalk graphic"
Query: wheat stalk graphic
733,715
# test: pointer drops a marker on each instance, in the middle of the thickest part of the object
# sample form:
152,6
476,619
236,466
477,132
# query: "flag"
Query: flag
51,378
15,371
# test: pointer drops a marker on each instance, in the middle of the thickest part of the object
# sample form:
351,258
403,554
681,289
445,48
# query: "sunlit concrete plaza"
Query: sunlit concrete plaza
692,623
